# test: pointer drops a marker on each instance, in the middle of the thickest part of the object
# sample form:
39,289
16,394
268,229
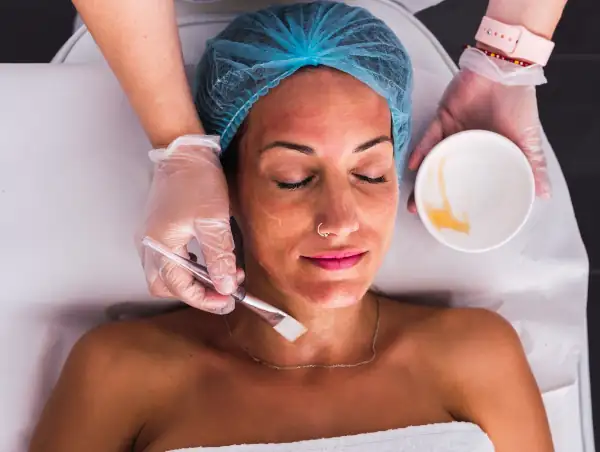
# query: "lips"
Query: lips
336,260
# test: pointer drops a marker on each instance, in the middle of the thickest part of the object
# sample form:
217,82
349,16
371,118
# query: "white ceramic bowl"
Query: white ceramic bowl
474,191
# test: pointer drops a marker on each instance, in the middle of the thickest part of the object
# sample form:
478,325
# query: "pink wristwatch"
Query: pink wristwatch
515,41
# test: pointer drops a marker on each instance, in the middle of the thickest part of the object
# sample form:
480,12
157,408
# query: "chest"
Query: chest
276,407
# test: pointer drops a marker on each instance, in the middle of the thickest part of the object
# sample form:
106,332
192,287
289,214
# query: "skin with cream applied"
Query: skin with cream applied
306,166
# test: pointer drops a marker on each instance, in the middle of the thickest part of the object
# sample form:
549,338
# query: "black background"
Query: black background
33,30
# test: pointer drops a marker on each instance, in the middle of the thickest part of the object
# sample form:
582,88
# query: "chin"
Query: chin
333,295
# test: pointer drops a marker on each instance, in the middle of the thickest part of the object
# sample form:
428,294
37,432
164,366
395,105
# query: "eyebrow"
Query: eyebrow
309,151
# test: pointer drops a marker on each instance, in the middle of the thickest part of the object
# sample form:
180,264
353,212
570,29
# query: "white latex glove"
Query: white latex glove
189,200
495,95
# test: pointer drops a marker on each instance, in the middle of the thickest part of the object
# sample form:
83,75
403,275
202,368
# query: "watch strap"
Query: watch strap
514,41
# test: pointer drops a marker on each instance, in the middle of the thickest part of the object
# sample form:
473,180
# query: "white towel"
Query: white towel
447,437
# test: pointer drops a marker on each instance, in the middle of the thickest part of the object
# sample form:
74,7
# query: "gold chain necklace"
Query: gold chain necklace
313,366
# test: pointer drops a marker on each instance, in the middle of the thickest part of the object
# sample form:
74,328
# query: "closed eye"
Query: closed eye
294,185
308,180
371,180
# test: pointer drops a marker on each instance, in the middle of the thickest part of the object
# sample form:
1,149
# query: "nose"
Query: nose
338,211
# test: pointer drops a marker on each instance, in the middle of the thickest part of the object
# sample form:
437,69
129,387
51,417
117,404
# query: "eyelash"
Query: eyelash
308,180
371,180
295,185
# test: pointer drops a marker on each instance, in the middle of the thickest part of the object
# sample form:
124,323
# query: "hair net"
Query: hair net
260,49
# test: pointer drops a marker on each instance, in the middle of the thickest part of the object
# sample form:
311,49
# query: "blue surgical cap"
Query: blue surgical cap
260,49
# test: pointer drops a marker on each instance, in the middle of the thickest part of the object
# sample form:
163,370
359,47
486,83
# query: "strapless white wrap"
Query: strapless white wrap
448,437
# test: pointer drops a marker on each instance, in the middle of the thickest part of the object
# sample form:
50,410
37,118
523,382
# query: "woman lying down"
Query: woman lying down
313,163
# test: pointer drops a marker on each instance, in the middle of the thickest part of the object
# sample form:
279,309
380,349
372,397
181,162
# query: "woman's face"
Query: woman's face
317,150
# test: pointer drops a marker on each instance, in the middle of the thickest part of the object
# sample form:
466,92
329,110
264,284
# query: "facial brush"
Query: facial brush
281,322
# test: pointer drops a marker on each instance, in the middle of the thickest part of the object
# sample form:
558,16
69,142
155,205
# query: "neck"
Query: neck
335,335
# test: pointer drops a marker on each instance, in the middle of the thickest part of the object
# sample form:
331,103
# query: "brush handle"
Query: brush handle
199,271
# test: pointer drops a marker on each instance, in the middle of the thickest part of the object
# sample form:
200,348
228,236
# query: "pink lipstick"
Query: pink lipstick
336,260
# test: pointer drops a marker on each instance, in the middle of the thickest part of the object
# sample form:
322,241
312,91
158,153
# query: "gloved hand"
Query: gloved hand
189,199
494,95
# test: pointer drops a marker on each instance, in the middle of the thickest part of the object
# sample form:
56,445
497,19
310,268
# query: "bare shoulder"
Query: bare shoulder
137,346
126,362
443,324
116,376
463,341
477,356
465,325
484,377
471,337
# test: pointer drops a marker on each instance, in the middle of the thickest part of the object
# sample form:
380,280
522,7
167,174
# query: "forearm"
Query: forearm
539,16
139,39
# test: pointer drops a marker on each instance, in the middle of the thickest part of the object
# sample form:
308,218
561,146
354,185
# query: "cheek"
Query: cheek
379,212
272,225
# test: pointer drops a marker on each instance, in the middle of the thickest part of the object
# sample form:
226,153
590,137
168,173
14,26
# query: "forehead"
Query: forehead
319,104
